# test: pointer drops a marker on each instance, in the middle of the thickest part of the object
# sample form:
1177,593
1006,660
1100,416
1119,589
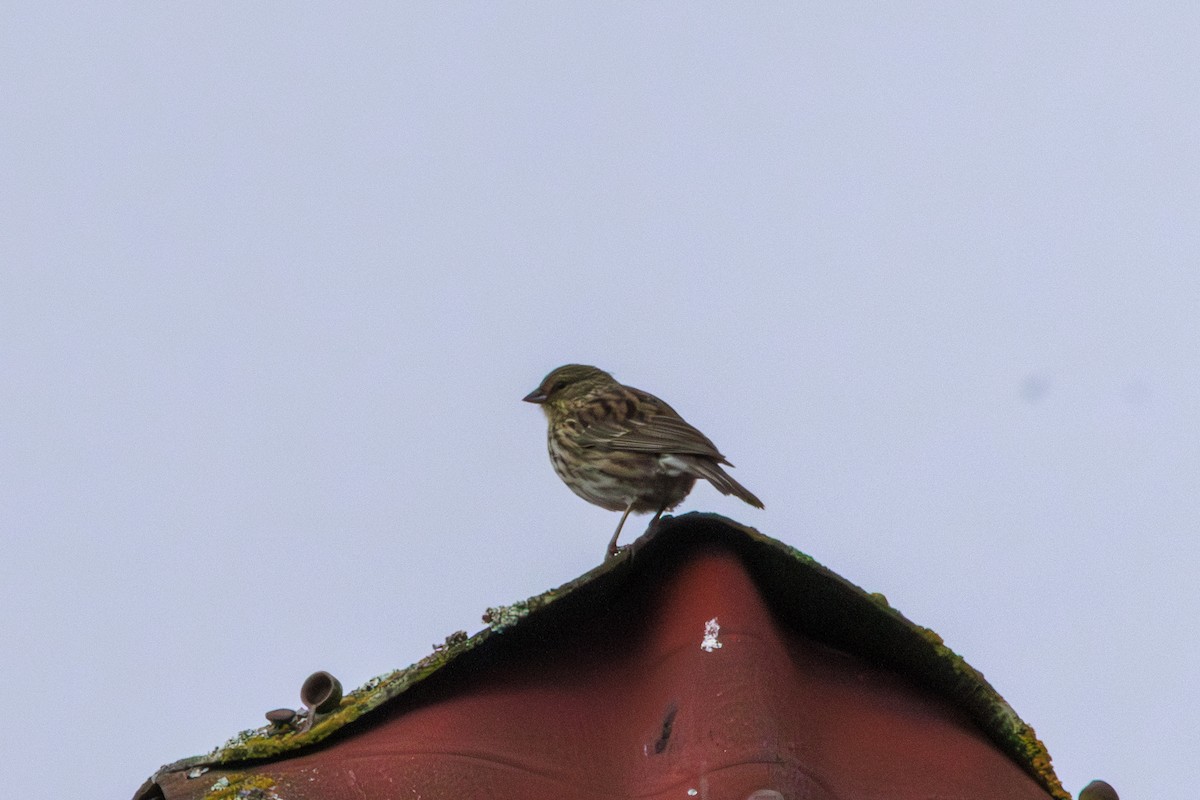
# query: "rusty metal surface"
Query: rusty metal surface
702,667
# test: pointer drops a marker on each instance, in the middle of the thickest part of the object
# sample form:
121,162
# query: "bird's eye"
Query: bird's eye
556,386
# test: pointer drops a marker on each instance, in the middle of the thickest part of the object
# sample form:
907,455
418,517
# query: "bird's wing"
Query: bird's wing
654,428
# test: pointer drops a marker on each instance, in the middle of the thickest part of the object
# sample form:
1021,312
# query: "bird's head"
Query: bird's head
567,385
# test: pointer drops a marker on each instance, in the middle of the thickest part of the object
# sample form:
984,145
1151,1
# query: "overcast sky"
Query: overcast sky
274,278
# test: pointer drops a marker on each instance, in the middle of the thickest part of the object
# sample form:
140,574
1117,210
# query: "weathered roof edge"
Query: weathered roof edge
849,618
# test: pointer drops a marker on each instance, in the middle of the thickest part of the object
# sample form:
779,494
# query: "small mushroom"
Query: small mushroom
279,717
1098,790
321,693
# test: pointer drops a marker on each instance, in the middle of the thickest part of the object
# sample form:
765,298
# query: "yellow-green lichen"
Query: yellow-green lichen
500,618
803,558
933,638
1024,739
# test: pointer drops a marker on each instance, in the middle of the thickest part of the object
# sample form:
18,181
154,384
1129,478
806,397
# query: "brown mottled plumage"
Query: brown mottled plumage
624,449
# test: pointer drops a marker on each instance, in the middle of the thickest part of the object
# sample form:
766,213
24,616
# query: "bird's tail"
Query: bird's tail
711,471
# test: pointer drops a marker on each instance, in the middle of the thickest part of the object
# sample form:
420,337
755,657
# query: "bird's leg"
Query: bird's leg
653,521
612,544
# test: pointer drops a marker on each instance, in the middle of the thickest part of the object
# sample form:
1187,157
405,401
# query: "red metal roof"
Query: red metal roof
709,662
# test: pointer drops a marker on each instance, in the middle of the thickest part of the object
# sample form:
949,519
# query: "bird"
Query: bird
624,449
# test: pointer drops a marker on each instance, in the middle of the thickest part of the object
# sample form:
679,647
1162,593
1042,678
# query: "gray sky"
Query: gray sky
273,280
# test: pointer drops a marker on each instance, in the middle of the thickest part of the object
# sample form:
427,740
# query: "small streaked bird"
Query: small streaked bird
624,449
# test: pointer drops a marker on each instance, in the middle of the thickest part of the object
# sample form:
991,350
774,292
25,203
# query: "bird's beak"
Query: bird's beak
536,396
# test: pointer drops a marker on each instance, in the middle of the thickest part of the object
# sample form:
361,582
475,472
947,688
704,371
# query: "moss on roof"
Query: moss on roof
817,601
